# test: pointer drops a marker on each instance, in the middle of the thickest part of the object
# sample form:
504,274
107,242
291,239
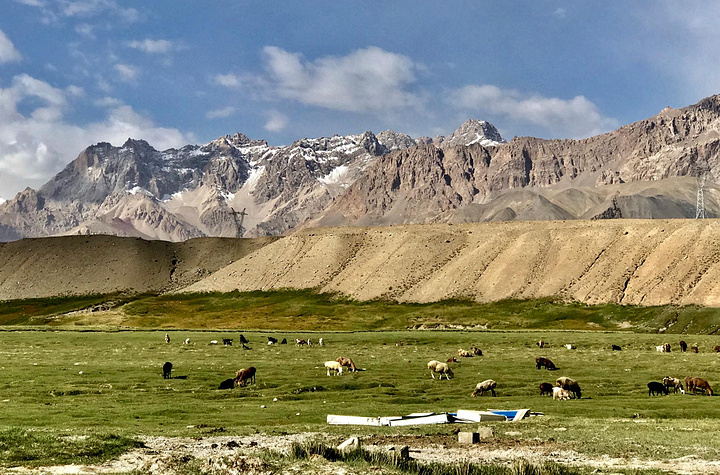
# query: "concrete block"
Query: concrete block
468,437
485,432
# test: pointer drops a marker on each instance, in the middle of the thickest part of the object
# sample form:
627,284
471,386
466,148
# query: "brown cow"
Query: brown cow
546,389
695,384
245,376
545,363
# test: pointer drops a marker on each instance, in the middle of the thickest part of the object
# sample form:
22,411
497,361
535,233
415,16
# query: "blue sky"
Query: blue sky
77,72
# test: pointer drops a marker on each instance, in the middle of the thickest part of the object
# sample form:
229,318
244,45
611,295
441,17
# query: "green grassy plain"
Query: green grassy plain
66,384
79,383
301,310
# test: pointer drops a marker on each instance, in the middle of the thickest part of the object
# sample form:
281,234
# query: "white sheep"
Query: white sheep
441,368
487,385
334,366
560,394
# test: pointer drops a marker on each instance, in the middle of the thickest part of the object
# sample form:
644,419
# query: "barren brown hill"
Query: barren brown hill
79,265
643,262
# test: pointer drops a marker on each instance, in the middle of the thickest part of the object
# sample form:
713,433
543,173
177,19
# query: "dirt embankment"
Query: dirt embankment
645,262
77,265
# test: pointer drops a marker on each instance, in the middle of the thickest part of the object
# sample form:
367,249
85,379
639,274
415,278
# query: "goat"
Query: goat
187,341
674,383
546,389
541,344
666,347
476,351
560,394
334,366
347,362
167,369
245,376
570,385
655,388
440,368
300,342
167,338
571,347
545,363
683,346
485,386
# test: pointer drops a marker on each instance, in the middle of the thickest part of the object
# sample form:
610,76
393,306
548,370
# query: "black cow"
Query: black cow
656,388
167,369
546,363
227,384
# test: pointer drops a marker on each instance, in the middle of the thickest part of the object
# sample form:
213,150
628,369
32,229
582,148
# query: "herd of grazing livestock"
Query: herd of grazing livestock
565,388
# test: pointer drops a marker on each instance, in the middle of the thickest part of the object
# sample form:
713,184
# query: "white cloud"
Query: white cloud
108,102
571,118
36,144
227,80
32,3
85,30
368,79
277,121
127,72
220,113
89,8
152,46
8,52
560,13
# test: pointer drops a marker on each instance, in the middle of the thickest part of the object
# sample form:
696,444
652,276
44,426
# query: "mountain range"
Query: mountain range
238,187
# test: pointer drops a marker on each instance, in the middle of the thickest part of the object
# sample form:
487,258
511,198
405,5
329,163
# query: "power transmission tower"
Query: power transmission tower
239,224
700,201
701,173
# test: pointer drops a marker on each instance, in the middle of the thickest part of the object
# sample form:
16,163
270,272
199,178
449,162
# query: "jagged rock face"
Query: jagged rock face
235,186
474,132
672,144
395,141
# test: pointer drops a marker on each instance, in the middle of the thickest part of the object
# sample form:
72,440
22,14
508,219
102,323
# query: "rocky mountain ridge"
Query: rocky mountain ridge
230,187
235,186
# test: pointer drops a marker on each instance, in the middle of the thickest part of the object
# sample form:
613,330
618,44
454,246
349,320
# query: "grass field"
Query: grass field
305,310
70,393
80,383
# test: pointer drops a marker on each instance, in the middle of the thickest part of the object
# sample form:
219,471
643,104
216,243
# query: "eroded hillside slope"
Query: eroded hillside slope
79,265
645,262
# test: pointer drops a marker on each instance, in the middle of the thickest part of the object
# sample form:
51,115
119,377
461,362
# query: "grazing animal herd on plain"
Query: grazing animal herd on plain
565,388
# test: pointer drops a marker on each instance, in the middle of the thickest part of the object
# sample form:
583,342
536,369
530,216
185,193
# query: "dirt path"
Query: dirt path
241,455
